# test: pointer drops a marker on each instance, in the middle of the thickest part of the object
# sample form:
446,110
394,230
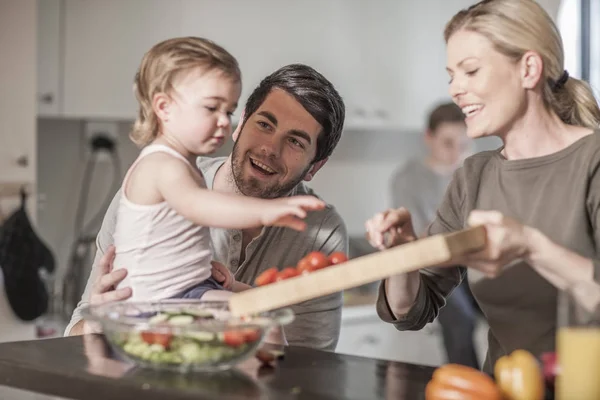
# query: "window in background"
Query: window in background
595,46
569,25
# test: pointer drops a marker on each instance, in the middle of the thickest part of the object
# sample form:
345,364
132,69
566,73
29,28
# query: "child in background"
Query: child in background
187,89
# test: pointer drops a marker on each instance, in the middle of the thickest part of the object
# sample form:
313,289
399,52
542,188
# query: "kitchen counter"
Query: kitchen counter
9,393
82,367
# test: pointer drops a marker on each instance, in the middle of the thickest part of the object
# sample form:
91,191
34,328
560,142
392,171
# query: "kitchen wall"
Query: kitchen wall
355,179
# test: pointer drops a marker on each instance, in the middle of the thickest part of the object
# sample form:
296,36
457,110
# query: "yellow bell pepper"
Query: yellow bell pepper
519,376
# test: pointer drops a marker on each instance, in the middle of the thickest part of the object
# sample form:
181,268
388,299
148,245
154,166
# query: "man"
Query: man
292,122
419,186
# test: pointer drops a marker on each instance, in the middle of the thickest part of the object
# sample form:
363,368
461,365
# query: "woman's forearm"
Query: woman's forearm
401,292
559,265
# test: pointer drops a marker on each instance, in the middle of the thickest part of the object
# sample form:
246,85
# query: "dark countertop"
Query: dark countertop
9,393
81,367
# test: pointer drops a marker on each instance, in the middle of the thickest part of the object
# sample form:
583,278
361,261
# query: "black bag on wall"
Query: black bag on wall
22,255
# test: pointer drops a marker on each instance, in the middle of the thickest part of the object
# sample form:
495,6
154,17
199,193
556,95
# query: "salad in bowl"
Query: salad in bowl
185,335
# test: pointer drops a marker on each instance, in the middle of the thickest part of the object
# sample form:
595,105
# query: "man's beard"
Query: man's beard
254,187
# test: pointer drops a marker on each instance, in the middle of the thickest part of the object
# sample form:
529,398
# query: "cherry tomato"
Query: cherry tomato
147,337
287,273
251,335
304,267
317,259
234,338
337,258
164,339
269,356
302,264
266,277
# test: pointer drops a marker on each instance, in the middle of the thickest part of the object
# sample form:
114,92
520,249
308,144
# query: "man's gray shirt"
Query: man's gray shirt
317,323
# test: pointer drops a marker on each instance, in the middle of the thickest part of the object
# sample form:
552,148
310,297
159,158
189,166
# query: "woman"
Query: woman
538,195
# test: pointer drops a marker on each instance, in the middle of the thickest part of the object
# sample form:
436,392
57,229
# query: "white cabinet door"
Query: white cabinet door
348,60
407,54
265,35
18,102
551,7
104,44
364,334
386,58
49,53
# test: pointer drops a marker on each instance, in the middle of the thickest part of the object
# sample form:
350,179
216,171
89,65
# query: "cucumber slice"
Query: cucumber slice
159,318
157,348
181,320
201,336
200,313
192,352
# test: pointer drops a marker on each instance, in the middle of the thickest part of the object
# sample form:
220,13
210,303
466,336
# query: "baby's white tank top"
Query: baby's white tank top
163,252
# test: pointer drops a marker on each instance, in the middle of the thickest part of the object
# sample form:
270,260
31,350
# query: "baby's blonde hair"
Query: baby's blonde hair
165,62
517,26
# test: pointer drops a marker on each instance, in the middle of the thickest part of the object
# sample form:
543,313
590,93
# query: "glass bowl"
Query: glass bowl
183,335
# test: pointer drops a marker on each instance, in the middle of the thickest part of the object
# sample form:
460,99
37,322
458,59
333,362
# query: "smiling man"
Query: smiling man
292,122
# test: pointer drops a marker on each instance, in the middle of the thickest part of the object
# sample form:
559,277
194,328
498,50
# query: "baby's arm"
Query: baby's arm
176,184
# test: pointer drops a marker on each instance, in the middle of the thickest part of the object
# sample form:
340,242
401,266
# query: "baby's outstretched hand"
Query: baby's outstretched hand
289,212
221,274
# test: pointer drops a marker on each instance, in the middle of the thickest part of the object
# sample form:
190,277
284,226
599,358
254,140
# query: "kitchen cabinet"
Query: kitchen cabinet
88,53
265,35
364,334
406,55
552,7
17,105
353,43
386,58
104,42
406,68
49,53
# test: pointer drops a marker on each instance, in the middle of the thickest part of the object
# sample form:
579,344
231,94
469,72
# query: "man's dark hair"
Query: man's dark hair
315,93
446,112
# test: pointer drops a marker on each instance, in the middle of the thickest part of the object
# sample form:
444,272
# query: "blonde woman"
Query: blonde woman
538,195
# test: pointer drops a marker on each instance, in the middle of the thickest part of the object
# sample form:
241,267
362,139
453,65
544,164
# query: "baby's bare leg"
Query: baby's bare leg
216,295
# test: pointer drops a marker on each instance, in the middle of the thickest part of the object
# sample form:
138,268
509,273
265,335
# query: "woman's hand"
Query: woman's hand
508,241
390,228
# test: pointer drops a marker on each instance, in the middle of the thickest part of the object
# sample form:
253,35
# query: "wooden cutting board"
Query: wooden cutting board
428,252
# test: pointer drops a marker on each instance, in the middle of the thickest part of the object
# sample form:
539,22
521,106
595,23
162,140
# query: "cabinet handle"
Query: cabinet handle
370,339
47,98
360,112
23,161
380,113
